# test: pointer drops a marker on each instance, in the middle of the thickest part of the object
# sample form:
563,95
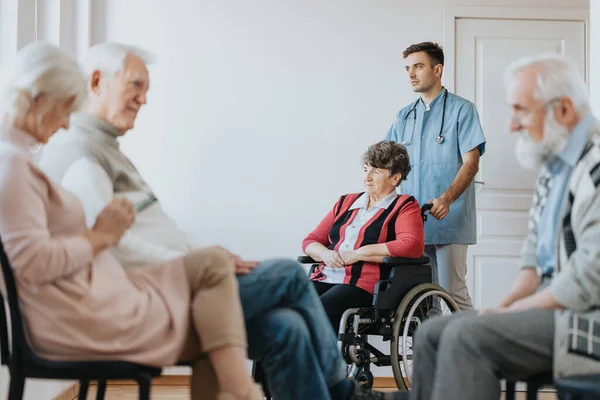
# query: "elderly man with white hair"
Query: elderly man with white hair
543,323
286,325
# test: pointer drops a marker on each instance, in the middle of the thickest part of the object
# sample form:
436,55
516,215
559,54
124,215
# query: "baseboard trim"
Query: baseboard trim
379,382
384,382
70,393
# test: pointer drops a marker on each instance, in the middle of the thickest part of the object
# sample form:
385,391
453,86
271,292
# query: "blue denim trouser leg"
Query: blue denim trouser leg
289,332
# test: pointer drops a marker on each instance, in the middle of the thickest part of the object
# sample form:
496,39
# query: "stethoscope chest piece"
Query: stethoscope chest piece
439,139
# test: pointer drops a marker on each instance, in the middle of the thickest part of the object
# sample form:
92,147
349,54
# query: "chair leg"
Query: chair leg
569,397
257,372
84,385
17,385
260,377
510,390
101,389
265,386
532,391
144,384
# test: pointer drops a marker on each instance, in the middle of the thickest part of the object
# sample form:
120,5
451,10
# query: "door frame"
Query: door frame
452,13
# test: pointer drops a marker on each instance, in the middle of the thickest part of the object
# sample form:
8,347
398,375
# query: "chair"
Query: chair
23,363
581,387
533,385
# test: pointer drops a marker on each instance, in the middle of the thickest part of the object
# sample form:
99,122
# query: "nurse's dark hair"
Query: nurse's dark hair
388,155
433,50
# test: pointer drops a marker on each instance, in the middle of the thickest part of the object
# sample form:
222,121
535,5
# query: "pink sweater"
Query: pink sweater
77,306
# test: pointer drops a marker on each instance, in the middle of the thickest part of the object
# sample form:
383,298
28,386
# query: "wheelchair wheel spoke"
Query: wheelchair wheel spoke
421,303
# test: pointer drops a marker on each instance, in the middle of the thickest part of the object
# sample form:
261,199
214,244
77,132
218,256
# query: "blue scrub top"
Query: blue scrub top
435,165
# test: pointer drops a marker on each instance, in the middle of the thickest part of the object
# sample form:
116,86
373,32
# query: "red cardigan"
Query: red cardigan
400,227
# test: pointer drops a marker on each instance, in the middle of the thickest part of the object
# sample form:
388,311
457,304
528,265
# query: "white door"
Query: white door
483,49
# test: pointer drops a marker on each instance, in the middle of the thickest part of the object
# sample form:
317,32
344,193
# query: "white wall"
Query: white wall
595,56
259,111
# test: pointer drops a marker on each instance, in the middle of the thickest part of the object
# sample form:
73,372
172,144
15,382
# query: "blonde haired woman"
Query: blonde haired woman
77,300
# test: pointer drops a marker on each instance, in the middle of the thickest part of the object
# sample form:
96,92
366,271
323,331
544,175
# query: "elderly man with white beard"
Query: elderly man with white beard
556,297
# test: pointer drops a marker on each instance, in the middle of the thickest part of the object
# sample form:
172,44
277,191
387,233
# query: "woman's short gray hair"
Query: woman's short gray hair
557,77
109,58
41,68
388,155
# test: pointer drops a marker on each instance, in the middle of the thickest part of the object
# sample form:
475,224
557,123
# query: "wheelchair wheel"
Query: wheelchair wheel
366,379
415,308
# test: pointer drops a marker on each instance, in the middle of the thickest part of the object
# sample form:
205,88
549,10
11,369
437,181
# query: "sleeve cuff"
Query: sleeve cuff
79,251
480,146
528,261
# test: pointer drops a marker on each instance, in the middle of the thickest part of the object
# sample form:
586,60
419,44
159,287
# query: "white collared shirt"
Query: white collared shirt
364,215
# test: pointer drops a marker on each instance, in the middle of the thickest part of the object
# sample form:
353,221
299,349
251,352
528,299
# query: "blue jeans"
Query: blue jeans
289,333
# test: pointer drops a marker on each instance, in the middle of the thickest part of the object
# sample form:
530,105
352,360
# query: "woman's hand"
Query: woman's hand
350,257
114,220
332,259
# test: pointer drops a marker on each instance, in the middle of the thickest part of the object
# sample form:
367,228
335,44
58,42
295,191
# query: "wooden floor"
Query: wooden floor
128,392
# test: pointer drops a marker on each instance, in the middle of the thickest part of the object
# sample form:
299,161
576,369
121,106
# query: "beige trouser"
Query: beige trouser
216,316
449,269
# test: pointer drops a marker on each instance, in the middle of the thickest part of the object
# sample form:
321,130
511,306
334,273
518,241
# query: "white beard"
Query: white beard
531,154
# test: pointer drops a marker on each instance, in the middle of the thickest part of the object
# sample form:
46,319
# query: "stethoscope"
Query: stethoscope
440,138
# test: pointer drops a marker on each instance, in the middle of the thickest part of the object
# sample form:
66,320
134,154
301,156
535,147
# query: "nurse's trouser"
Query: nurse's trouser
449,269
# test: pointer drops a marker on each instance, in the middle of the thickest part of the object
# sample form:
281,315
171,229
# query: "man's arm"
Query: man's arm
577,285
92,185
544,299
464,177
527,283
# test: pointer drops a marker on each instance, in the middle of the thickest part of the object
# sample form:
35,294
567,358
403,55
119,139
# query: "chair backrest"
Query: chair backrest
19,347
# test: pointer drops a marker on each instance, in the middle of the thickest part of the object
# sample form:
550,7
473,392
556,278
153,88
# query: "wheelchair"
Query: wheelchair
400,305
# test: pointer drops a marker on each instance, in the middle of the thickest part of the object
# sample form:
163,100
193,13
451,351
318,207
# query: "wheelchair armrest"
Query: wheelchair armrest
397,261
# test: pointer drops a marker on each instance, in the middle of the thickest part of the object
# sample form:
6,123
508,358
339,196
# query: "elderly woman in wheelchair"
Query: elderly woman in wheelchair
368,267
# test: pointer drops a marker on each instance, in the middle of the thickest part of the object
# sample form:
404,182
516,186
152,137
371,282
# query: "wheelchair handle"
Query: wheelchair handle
424,209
